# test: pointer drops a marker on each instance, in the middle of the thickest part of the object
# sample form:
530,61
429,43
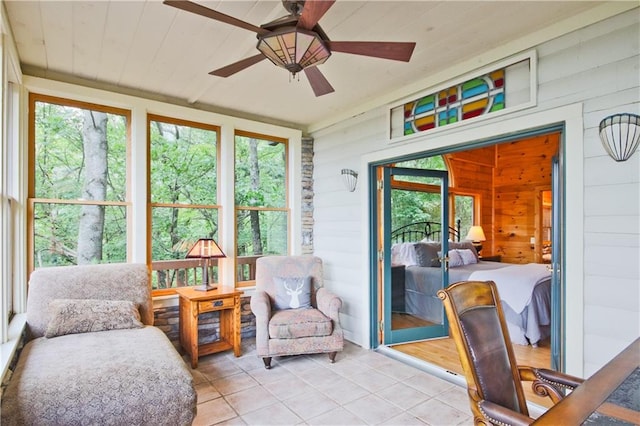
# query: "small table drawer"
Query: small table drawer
215,305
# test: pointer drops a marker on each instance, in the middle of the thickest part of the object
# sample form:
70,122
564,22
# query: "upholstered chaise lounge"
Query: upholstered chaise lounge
70,373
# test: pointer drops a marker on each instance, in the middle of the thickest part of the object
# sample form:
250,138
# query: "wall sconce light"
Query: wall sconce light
350,179
532,242
620,135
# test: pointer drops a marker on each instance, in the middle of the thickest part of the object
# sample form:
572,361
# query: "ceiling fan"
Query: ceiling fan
296,42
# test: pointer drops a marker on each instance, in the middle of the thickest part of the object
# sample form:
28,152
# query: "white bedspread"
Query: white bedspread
515,283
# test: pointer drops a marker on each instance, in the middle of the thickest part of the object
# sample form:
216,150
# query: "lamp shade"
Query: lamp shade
205,248
620,135
293,48
476,234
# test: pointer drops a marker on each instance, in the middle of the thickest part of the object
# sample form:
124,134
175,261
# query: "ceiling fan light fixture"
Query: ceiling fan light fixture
293,48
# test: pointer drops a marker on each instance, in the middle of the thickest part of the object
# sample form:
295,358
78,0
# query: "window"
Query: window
420,201
183,188
78,203
463,209
262,206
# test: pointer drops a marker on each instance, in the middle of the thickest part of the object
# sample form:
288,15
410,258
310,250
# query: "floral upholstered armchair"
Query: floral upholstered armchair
295,314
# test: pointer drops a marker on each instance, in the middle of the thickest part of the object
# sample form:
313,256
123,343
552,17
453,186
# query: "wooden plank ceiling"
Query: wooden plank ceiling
151,49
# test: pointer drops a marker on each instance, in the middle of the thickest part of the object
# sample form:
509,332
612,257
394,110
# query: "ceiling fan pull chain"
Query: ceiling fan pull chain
294,75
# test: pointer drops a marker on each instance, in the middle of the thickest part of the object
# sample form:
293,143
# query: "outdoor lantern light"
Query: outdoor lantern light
350,179
620,135
205,248
293,48
476,235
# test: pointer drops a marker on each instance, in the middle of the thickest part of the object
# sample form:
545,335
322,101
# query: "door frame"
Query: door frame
568,119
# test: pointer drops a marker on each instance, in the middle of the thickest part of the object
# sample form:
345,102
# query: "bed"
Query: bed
525,289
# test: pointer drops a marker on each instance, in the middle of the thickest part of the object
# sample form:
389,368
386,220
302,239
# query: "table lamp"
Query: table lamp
205,248
476,235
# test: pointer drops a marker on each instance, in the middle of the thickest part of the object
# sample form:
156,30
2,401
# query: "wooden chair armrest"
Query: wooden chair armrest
549,383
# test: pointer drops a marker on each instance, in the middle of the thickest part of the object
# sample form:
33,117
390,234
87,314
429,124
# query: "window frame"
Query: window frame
32,200
286,208
150,204
453,192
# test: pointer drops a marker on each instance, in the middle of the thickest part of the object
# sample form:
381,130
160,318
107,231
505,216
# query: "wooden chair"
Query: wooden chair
494,380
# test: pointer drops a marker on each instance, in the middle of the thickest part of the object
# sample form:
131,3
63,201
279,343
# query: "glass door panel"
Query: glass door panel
411,309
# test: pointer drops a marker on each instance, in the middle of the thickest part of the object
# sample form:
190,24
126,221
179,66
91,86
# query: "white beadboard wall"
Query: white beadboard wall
595,69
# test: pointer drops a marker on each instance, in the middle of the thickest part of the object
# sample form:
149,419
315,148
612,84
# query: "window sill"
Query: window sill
8,349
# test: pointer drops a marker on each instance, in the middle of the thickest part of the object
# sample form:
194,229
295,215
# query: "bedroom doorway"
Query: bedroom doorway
536,148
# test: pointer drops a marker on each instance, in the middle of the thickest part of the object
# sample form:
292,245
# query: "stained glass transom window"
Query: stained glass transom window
478,96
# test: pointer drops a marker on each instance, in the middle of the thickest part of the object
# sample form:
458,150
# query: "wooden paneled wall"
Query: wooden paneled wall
472,172
509,178
523,171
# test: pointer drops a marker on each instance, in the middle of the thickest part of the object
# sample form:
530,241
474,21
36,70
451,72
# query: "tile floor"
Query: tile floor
363,387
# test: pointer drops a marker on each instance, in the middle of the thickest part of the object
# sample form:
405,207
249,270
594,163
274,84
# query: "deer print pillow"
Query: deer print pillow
292,292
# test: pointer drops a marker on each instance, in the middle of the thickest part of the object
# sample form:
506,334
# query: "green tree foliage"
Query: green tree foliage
59,176
410,206
416,206
464,212
184,178
260,196
413,206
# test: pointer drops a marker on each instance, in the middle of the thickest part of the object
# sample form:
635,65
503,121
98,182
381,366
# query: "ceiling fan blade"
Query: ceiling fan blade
312,11
210,13
238,66
397,51
318,82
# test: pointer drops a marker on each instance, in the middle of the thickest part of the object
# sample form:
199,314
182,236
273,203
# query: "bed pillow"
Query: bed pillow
468,257
403,254
465,245
427,254
72,316
455,259
292,292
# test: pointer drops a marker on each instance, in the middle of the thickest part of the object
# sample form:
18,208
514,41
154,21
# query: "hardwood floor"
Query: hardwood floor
443,353
401,320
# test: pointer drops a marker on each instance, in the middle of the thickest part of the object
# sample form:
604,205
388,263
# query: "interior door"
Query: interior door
409,315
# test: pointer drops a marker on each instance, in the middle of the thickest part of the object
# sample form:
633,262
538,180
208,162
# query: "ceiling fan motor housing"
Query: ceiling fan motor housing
294,7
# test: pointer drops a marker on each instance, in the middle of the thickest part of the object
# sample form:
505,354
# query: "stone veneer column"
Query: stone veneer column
307,195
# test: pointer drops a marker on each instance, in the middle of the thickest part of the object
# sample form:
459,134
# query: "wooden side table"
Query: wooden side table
194,303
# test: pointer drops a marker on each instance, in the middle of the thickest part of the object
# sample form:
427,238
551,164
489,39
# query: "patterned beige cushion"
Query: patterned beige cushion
116,377
71,316
114,281
297,323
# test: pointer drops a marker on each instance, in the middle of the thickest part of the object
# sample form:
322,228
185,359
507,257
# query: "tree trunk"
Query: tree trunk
91,226
254,175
